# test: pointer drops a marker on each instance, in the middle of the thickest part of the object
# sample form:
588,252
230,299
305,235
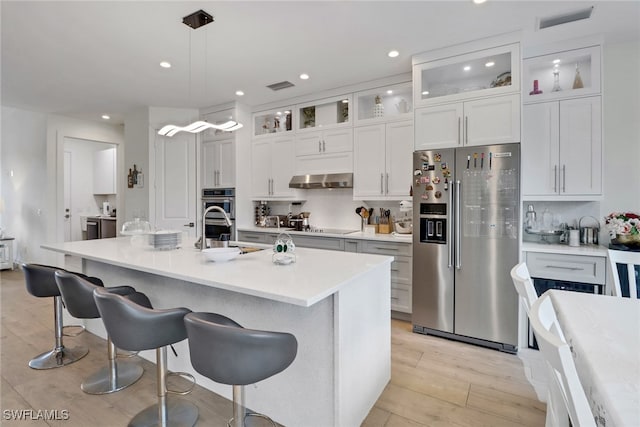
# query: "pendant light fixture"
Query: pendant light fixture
196,20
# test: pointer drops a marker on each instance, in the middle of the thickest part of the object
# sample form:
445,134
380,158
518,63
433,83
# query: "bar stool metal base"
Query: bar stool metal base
179,413
101,382
58,357
248,420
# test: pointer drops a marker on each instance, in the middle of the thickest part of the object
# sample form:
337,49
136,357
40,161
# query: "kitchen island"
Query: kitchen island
336,304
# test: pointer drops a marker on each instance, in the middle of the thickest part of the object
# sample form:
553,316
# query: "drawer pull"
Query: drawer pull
386,249
395,298
395,269
564,268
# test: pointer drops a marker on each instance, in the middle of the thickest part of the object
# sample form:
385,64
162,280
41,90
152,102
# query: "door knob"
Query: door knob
191,225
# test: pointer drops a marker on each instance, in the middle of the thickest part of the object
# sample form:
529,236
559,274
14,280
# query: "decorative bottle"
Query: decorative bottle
577,80
556,81
378,108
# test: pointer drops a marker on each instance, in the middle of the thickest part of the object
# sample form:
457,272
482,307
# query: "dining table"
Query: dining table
603,333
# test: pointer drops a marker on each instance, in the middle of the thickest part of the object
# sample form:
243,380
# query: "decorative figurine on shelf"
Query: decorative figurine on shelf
577,80
535,90
402,106
556,81
378,108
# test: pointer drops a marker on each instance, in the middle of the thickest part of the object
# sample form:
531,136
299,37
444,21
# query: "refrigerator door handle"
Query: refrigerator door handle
456,221
450,232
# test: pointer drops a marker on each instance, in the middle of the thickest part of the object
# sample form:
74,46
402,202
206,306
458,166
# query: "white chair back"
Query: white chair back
524,285
631,259
557,353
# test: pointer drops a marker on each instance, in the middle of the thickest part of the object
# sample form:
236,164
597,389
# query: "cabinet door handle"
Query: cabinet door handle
559,267
381,183
324,148
564,178
387,192
459,127
466,130
272,186
555,178
319,146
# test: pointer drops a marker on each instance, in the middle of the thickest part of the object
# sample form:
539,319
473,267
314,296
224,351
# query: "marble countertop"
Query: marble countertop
555,248
358,235
302,283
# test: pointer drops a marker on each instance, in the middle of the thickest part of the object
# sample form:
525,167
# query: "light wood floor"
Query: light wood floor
434,382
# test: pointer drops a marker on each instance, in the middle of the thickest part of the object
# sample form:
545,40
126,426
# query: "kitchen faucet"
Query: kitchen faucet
203,240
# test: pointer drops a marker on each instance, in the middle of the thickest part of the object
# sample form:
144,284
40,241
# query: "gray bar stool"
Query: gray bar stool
227,353
40,281
77,295
135,328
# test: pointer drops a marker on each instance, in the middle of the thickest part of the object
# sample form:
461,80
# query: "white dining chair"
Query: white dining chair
631,259
567,399
524,285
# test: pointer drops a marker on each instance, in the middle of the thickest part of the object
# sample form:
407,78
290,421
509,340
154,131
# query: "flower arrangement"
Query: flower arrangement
623,224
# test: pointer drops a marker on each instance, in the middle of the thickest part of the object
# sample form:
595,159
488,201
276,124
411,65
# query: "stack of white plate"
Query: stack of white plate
165,239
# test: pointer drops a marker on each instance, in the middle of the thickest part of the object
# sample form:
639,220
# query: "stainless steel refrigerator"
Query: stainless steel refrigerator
465,242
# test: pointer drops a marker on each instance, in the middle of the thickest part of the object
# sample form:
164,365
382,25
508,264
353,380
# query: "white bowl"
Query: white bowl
221,254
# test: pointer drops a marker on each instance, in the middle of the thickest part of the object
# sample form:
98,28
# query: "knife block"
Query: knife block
384,228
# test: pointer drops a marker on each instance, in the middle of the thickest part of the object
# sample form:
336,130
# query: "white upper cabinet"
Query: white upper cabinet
328,112
382,161
568,74
272,167
274,121
328,151
384,104
104,171
562,149
479,73
494,120
218,164
467,98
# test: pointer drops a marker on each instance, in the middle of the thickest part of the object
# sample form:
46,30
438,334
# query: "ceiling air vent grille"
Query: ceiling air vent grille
565,18
280,85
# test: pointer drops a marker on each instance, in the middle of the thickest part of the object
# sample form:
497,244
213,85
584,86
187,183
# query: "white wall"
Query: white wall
24,178
621,112
136,136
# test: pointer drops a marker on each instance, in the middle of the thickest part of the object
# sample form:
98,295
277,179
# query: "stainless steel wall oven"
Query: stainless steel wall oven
224,198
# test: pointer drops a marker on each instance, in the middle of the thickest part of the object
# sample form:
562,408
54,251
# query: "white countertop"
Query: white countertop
302,283
555,248
358,235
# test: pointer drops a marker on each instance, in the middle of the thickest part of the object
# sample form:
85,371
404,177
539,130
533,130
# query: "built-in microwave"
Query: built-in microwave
224,198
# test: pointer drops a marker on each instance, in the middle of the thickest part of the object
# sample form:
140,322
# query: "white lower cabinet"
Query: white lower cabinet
401,267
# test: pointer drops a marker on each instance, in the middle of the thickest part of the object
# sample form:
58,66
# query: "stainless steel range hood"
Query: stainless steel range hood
330,180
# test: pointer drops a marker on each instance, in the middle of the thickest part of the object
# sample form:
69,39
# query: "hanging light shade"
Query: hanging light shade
199,126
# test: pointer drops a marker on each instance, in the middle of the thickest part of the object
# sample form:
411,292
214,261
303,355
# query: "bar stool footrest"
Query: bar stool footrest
252,414
185,375
70,330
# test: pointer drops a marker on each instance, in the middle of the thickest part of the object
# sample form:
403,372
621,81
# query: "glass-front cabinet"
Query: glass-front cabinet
566,74
274,121
328,112
383,104
481,73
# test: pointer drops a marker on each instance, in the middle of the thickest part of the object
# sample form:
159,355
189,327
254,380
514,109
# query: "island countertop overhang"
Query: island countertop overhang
315,275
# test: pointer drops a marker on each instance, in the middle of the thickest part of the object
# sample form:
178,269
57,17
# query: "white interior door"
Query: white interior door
67,196
175,183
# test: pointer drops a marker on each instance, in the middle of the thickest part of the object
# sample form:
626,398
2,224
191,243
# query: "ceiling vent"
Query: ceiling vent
565,18
280,85
197,19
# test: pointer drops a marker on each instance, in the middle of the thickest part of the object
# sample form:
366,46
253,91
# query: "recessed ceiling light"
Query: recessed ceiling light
345,101
490,64
426,92
479,1
279,113
467,67
389,92
239,93
304,76
393,53
287,112
106,117
556,61
165,64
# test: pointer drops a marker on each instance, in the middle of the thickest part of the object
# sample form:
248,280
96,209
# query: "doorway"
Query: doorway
82,198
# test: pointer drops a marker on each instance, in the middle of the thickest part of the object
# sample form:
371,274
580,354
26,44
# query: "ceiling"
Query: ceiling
88,58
